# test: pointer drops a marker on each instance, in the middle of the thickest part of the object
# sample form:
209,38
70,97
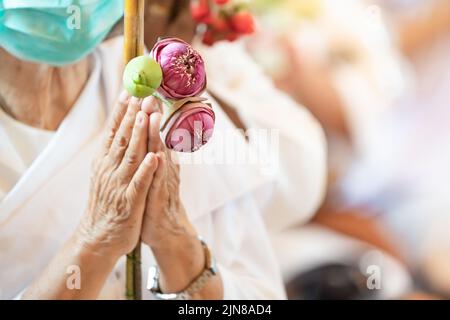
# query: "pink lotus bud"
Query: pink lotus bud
188,125
183,69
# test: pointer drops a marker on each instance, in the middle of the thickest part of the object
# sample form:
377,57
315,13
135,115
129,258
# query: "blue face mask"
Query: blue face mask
56,32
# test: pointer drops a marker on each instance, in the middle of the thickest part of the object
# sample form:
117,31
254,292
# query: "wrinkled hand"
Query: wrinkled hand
122,175
165,218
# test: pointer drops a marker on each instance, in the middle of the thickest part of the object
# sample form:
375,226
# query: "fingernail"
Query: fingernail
139,117
155,118
149,158
148,105
124,97
145,106
148,100
134,100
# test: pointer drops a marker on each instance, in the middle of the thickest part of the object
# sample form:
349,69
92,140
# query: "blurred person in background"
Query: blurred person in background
254,102
337,59
391,192
225,205
405,172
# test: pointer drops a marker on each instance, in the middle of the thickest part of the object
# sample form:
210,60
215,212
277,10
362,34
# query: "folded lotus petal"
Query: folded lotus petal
188,126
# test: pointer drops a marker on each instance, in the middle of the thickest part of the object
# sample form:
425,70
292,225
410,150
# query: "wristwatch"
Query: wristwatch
195,286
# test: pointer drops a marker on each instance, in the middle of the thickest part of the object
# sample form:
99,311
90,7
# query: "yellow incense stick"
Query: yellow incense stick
133,47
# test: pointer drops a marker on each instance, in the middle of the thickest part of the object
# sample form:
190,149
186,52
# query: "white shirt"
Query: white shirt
21,146
297,161
45,205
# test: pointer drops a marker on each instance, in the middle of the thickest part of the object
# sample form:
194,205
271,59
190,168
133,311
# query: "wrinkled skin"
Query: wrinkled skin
122,175
111,226
165,217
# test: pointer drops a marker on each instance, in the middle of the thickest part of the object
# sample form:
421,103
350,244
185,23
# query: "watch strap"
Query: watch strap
194,287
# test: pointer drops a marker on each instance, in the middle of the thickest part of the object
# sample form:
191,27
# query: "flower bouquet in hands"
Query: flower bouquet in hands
175,74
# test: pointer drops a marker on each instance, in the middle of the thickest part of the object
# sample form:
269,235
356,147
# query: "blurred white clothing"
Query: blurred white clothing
22,144
406,170
299,167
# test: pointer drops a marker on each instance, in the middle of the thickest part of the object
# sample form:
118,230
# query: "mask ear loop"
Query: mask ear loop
133,47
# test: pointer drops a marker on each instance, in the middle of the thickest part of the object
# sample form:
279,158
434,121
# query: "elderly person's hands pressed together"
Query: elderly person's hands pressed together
111,226
134,194
166,228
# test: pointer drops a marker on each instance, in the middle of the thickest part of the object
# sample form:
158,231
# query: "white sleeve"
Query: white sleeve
300,166
244,254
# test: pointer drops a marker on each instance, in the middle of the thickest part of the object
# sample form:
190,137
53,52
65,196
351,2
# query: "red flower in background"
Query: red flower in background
223,20
199,10
243,23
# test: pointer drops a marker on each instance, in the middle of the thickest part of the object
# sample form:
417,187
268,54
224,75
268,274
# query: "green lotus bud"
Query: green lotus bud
142,76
